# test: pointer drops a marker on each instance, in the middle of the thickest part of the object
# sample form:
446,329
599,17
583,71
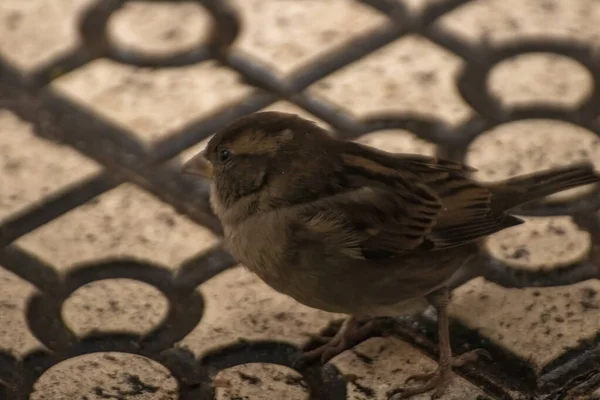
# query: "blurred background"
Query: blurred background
113,279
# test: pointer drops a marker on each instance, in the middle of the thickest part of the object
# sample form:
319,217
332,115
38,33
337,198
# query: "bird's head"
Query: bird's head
264,160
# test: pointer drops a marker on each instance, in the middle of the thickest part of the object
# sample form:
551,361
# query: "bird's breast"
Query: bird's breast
262,247
255,247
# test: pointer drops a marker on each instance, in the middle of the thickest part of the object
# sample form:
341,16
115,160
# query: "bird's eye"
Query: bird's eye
224,155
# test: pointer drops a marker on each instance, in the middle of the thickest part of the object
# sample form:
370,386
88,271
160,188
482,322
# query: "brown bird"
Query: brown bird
346,228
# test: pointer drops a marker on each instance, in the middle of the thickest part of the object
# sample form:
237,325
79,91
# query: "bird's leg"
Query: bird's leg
349,334
441,377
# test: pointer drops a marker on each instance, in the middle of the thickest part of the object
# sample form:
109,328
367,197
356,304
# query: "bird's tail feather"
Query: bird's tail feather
525,188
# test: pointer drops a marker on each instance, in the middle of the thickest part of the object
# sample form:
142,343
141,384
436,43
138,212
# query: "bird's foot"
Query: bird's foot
438,381
440,378
350,334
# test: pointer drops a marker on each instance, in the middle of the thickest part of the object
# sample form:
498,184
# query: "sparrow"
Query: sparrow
346,228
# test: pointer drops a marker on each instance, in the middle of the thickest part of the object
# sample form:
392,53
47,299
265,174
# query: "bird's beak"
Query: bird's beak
198,166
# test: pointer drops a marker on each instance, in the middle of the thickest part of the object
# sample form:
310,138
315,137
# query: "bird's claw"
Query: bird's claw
438,379
329,349
343,340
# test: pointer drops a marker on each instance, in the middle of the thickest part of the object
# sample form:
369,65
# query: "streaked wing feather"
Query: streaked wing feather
370,222
466,213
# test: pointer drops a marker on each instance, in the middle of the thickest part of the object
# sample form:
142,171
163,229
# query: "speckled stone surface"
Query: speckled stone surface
15,336
115,306
106,375
239,306
536,324
114,281
126,222
394,361
261,382
33,168
500,21
540,78
287,35
152,104
541,244
159,29
410,80
25,26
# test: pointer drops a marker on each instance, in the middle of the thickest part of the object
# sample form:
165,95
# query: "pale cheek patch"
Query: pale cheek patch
286,135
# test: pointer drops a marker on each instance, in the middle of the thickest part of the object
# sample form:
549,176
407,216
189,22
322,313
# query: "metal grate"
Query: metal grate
126,160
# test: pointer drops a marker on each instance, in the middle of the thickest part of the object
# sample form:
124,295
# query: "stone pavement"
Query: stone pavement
113,280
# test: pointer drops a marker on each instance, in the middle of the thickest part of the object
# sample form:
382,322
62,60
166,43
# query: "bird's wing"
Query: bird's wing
368,223
469,209
395,204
